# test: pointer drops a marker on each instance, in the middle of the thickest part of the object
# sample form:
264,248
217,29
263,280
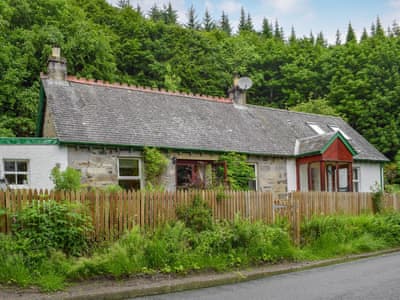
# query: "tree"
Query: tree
169,15
224,24
155,13
267,29
316,106
292,37
364,35
208,22
124,3
192,19
351,35
338,40
242,21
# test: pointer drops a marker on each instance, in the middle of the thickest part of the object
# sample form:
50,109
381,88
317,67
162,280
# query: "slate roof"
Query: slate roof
99,113
314,143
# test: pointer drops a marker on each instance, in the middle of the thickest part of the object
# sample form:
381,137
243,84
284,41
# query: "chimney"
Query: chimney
56,65
238,91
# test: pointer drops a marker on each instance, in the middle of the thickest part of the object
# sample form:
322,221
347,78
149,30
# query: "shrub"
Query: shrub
155,164
167,247
197,215
49,225
68,180
239,171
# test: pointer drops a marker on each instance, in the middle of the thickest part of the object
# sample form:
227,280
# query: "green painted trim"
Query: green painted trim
343,139
40,118
185,150
328,144
28,141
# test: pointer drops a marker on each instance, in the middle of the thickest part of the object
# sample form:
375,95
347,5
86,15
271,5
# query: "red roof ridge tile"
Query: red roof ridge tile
143,89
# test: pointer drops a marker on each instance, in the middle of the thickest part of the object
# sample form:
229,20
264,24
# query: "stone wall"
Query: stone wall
272,174
98,166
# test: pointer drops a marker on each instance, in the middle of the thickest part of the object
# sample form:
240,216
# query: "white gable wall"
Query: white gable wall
41,160
370,175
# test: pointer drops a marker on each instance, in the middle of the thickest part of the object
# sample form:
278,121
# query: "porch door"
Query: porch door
337,178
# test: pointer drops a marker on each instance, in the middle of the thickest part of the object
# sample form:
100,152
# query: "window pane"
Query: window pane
10,178
128,167
22,166
22,179
343,187
130,184
184,175
9,166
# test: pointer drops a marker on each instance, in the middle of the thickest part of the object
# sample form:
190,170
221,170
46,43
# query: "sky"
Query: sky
304,15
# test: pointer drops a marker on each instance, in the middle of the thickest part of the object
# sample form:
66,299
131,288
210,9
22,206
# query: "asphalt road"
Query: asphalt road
371,278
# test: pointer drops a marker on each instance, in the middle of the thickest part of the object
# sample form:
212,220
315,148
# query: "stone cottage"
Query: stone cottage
102,128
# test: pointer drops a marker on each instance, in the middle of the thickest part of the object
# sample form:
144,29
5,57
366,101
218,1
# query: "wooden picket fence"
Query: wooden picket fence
115,213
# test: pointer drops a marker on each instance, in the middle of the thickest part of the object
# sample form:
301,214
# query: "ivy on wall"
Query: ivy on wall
155,163
239,172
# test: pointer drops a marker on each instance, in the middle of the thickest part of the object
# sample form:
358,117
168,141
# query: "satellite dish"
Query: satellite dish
244,83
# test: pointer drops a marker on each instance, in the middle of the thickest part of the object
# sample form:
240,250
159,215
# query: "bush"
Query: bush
49,225
68,180
197,215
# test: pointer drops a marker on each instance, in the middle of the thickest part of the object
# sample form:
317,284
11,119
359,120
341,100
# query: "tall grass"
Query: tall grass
338,235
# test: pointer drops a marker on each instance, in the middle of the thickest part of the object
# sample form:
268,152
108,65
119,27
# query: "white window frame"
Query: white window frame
16,172
139,177
255,173
336,128
317,129
358,180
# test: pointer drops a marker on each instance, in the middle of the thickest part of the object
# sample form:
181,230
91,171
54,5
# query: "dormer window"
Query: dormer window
316,128
337,129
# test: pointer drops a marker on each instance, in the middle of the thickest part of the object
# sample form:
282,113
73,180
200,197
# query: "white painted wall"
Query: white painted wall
42,159
291,174
370,175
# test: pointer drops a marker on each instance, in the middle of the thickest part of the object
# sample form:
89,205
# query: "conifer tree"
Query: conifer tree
249,23
292,37
351,35
395,29
169,15
192,19
123,3
320,41
208,22
266,28
364,35
224,24
379,29
155,14
278,31
242,20
338,40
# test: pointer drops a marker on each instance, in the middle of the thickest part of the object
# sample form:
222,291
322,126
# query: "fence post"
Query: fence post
295,217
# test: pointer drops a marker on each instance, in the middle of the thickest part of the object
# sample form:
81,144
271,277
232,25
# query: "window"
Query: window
253,182
129,173
199,174
16,171
316,128
356,179
336,129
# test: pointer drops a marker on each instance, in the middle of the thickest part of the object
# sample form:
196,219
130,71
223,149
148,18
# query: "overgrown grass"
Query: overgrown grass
329,236
193,243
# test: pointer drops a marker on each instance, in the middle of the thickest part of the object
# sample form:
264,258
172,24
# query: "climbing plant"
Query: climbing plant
239,172
155,164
